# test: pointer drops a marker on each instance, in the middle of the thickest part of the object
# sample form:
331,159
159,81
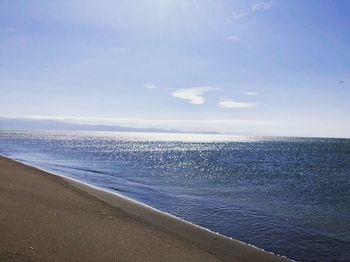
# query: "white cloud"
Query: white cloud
228,103
194,94
237,16
252,93
150,86
233,38
262,6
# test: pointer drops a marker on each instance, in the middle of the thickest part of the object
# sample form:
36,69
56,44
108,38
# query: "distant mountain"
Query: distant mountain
34,124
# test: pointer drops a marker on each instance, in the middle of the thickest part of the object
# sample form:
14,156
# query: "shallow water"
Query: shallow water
290,196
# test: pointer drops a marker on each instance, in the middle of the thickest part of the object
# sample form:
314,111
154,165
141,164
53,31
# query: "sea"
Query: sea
286,195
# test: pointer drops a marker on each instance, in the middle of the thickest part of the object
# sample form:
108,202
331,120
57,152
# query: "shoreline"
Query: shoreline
208,244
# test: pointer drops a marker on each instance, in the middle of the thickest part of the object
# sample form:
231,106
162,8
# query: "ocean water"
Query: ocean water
290,196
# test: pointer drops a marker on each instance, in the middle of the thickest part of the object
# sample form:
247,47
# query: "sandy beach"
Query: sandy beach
44,217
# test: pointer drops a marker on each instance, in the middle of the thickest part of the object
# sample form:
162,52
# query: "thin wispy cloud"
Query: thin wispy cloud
119,49
10,29
252,93
233,38
150,86
237,16
228,103
262,6
194,95
111,51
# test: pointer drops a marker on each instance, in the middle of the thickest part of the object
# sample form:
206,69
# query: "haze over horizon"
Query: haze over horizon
255,67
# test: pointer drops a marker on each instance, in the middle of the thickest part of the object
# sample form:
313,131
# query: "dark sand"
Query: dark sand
44,217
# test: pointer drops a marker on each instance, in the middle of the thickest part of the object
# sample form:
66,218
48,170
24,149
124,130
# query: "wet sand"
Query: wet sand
44,217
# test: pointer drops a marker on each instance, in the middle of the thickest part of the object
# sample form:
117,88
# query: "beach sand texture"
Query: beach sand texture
44,217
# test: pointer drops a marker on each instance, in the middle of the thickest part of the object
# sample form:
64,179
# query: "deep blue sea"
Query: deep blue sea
290,196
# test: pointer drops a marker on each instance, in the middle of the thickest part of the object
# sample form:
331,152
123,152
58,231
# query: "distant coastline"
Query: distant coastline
39,124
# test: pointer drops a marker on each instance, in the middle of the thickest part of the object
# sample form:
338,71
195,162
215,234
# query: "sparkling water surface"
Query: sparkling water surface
290,196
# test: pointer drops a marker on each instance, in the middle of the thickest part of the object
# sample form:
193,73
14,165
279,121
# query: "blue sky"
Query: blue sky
254,67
